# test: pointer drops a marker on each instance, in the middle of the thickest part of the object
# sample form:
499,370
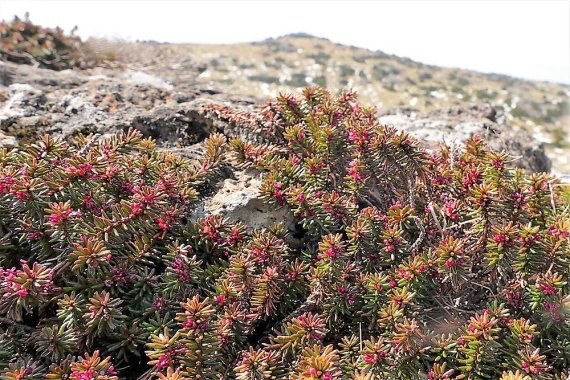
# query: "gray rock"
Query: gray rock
239,200
139,77
163,101
23,100
7,141
455,125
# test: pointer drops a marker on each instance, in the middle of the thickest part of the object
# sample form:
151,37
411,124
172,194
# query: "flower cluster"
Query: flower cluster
86,253
404,265
22,289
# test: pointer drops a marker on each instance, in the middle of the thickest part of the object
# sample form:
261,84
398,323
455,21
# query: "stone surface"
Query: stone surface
456,124
8,141
239,199
163,101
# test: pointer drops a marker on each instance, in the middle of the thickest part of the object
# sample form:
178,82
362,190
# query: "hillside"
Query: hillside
263,69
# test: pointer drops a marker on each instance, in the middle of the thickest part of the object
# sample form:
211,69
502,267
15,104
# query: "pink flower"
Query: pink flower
341,289
210,231
162,224
278,193
546,289
558,232
301,197
370,359
449,208
292,276
129,188
554,311
500,238
189,324
235,236
331,253
159,303
514,298
88,202
353,171
35,235
59,217
450,263
163,362
404,274
23,293
391,245
314,169
470,177
81,170
87,375
21,195
221,299
498,164
518,199
261,253
352,136
136,208
6,183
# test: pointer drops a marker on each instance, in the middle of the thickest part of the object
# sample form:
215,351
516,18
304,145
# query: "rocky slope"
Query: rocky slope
163,95
263,69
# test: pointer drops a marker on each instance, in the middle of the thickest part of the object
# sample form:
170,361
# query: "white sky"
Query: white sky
529,39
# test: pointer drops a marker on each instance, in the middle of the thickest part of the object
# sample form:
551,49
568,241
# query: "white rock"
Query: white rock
139,77
20,93
239,201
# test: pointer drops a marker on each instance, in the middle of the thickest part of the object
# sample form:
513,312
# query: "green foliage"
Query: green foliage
410,264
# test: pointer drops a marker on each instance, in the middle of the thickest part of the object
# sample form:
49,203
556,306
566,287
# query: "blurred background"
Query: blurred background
422,55
527,39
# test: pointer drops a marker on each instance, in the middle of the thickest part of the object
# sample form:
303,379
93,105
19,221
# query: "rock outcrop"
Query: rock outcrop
164,103
454,125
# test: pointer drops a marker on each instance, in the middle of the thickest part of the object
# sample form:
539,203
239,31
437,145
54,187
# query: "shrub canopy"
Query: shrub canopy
406,265
22,41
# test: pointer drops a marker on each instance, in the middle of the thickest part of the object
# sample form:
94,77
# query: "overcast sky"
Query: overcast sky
529,39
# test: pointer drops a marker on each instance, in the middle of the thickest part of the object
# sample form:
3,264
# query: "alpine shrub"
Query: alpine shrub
409,264
22,41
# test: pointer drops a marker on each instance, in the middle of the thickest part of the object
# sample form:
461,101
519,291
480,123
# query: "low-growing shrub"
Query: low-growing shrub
410,265
25,42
